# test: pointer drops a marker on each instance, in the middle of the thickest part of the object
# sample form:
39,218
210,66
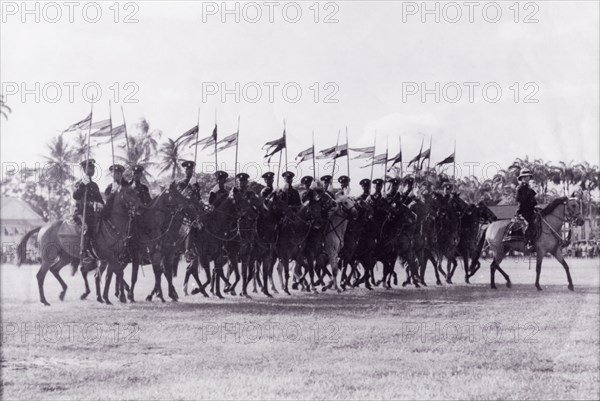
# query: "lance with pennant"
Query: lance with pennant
86,188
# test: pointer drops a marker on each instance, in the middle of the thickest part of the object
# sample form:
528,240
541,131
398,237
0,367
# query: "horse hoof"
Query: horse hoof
287,292
232,292
194,291
508,284
62,296
84,296
45,302
438,283
123,300
218,294
539,288
294,286
148,298
107,302
571,288
268,295
493,287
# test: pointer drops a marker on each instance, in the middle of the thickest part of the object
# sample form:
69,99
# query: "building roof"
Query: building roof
17,211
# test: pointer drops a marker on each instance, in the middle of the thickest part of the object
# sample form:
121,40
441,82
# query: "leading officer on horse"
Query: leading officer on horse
88,190
526,199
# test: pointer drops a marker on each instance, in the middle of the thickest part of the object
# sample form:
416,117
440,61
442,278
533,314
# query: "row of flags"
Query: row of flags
103,129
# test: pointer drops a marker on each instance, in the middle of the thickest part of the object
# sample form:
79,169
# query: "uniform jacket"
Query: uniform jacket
93,195
526,200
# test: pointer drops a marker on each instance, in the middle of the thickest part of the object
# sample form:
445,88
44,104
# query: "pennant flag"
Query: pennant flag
379,159
396,159
118,133
187,136
326,153
364,153
274,146
426,155
447,160
101,128
80,125
208,141
227,142
341,151
415,159
305,155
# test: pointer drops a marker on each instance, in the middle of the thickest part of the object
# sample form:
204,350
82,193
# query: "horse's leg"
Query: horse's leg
466,265
188,273
135,267
451,264
539,258
121,284
271,270
84,274
157,290
267,272
280,271
41,274
109,273
286,271
168,271
217,275
437,267
97,278
559,256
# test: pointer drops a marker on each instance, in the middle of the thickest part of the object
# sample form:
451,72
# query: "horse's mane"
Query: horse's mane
552,205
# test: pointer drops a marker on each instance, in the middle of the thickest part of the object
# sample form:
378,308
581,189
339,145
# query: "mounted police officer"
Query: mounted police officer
407,196
117,171
243,181
526,199
268,189
326,180
365,184
377,195
219,191
307,181
393,195
189,166
344,181
288,193
88,189
142,190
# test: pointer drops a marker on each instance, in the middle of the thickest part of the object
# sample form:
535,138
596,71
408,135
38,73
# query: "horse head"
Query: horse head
127,200
176,202
485,214
347,205
573,211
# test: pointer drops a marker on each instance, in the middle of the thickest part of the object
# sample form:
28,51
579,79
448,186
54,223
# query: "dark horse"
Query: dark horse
208,240
471,221
160,236
59,243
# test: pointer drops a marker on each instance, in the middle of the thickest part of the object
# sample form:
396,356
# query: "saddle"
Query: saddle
515,230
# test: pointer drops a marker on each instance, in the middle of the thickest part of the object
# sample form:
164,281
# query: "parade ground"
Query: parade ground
434,342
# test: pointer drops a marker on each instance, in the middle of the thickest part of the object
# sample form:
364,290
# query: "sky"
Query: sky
370,68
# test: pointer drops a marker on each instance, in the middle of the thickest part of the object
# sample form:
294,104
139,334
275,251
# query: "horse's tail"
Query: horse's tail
22,247
478,249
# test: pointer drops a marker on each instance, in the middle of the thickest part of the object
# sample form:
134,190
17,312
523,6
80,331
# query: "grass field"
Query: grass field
455,341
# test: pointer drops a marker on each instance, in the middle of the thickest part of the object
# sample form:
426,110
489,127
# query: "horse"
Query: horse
207,241
294,232
160,234
549,240
472,220
355,232
395,242
240,248
339,218
445,232
59,243
264,251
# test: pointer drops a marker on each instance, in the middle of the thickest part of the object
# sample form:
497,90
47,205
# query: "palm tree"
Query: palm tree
148,138
565,174
80,148
136,153
59,168
4,109
169,152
